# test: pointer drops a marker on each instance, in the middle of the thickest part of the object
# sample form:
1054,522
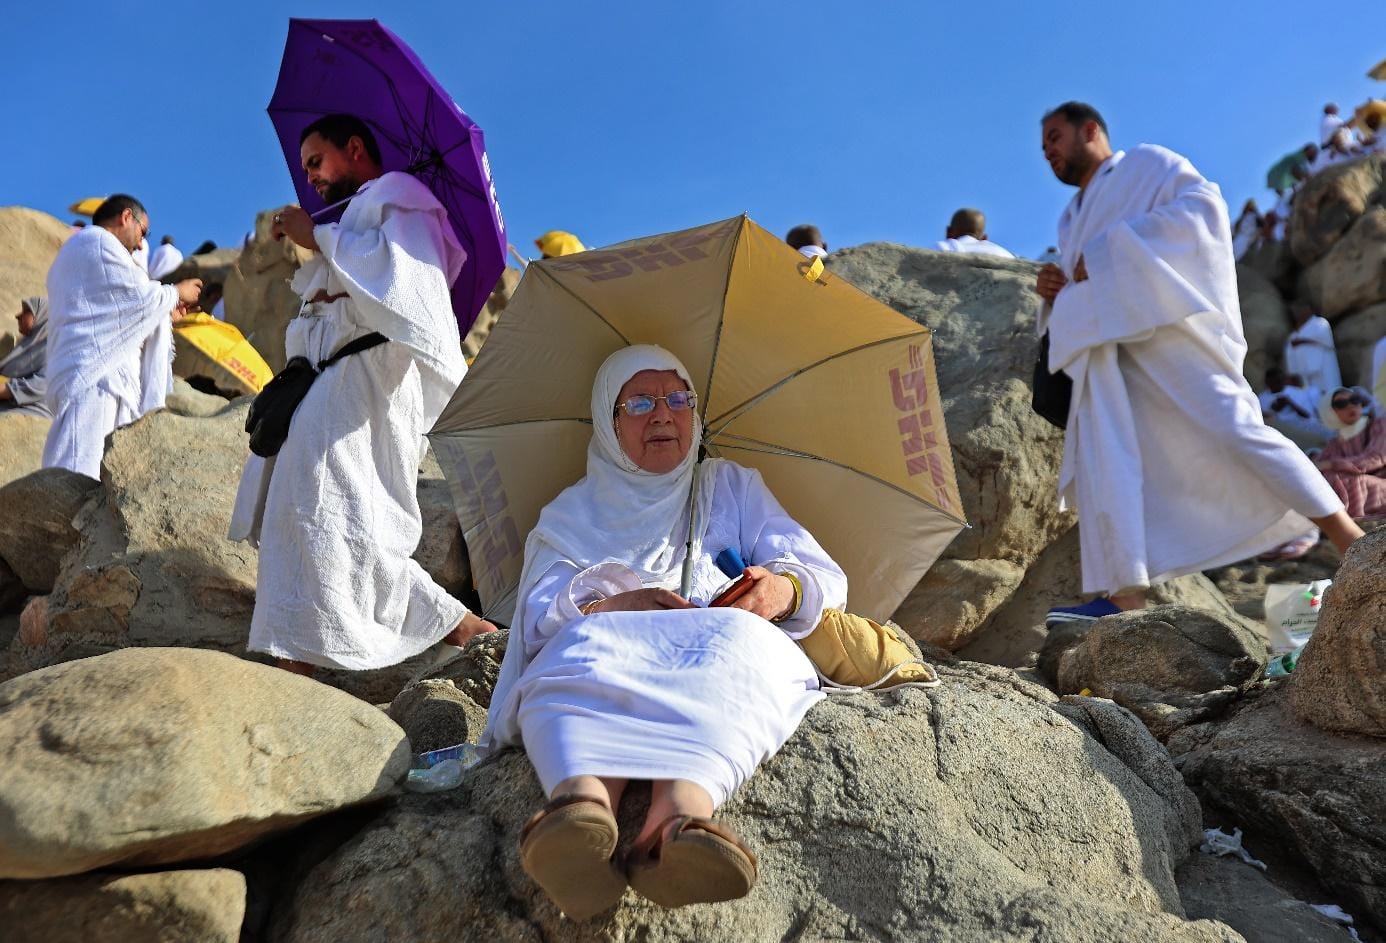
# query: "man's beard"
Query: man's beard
1076,165
339,190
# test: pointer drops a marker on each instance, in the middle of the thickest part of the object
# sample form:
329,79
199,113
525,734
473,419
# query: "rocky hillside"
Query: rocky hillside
156,783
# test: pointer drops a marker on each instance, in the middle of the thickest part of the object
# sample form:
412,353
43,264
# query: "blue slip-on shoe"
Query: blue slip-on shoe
1088,612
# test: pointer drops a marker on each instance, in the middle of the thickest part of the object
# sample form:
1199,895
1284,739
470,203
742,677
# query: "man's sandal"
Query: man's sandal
691,860
567,848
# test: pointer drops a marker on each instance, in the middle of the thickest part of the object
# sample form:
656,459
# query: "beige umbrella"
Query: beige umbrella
830,394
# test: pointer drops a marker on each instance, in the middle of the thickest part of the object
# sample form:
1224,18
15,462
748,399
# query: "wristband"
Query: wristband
798,598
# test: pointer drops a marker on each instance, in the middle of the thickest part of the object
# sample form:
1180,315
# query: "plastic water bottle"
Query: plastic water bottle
441,770
1281,665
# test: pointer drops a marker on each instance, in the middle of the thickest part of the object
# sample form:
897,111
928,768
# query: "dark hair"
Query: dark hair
339,129
969,222
114,206
805,235
1077,114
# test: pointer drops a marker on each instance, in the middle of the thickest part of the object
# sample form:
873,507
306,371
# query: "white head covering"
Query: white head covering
620,511
1330,416
813,252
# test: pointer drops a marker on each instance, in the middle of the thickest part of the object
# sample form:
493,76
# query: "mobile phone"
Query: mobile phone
733,592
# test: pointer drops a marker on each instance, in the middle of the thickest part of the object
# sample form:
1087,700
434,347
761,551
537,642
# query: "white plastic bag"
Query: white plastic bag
1292,612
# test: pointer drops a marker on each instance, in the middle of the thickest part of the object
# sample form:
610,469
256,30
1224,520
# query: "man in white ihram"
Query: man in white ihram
967,232
335,514
110,336
1166,457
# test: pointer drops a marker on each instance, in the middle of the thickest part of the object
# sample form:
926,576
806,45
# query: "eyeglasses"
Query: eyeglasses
642,405
1345,403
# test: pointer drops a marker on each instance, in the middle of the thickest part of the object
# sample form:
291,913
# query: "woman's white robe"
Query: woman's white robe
1166,457
705,695
335,514
110,347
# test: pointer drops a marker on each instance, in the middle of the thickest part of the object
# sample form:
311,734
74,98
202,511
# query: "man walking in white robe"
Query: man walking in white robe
335,514
1310,351
110,336
1166,457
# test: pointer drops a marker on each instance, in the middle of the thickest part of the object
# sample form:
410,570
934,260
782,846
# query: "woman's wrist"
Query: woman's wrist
796,590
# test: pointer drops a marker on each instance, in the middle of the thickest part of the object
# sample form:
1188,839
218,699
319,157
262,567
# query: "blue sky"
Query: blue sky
620,119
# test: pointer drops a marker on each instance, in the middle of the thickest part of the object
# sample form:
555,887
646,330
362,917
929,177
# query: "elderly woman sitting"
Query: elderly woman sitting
1354,463
23,387
610,675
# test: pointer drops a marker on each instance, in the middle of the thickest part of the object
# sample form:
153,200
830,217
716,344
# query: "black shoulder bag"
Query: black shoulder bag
1051,393
268,422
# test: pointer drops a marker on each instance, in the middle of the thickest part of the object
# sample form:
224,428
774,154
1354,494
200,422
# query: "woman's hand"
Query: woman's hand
469,628
770,598
640,600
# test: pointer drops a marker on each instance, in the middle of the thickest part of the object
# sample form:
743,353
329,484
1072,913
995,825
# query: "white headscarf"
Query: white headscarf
620,511
1330,416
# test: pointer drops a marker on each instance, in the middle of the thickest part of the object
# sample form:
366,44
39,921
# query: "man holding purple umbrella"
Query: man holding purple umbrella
335,513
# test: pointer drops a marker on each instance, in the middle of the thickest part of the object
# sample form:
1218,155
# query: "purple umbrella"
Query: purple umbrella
359,67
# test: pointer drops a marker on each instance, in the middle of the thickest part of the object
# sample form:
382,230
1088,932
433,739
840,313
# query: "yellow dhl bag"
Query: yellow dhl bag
852,653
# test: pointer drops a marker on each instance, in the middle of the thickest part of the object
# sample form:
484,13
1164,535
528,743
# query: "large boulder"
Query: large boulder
1331,201
154,756
21,444
435,714
1317,797
1245,899
982,312
1352,274
258,298
153,565
29,242
1162,662
488,316
948,814
36,530
1265,321
167,906
1339,682
1015,632
213,267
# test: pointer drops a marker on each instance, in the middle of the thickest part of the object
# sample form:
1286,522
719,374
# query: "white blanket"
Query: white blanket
1166,457
973,246
110,347
335,514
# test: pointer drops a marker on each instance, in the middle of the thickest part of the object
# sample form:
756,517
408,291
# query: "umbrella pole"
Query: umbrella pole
686,579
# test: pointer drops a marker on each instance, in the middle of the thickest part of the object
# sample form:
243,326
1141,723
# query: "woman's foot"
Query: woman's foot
691,860
567,848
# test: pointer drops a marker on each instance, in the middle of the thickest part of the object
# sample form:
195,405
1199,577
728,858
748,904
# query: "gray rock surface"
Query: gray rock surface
153,756
1171,665
1340,681
168,907
36,531
1331,202
1265,321
1247,901
982,312
1352,274
1355,336
21,445
187,401
153,566
1316,797
435,715
1015,632
955,814
258,298
31,240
